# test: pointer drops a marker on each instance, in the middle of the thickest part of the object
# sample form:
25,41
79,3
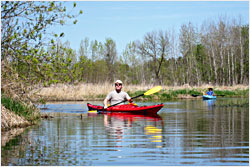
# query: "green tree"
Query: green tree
203,65
24,42
130,70
245,36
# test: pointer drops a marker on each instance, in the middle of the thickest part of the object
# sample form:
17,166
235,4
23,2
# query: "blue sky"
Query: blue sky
130,21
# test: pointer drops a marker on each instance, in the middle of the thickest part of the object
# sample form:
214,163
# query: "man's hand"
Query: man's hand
105,107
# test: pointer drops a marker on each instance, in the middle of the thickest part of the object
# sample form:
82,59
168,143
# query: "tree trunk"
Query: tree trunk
232,66
214,64
229,68
241,59
222,66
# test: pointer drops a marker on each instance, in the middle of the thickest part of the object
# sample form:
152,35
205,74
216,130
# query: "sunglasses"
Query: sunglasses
118,84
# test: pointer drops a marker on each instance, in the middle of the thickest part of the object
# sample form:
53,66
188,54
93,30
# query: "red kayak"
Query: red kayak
128,108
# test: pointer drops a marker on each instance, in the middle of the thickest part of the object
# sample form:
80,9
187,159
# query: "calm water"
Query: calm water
186,132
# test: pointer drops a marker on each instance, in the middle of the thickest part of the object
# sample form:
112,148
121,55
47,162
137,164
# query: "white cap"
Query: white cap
118,81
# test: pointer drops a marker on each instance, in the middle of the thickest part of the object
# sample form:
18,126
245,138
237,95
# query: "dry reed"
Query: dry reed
89,91
84,91
11,120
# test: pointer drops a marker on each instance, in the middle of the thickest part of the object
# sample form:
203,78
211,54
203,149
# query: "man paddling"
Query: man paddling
210,92
116,95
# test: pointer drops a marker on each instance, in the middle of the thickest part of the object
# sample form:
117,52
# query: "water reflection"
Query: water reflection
209,103
155,133
185,133
120,125
117,125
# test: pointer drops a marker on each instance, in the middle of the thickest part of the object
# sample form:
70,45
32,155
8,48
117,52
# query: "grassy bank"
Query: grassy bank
167,94
87,92
27,112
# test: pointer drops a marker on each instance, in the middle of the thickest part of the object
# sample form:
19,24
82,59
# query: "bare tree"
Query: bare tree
110,54
155,46
188,41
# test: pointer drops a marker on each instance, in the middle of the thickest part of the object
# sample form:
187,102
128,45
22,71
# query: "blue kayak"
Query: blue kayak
209,97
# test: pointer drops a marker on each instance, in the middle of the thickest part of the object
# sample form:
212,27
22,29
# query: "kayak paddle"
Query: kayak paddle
149,92
92,111
196,95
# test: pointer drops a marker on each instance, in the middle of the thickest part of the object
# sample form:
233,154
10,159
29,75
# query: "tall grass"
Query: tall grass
99,91
233,93
20,109
84,91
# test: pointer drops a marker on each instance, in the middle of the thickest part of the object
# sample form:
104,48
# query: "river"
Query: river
185,132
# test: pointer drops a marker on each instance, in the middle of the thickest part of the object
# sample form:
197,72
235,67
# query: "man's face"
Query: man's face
118,86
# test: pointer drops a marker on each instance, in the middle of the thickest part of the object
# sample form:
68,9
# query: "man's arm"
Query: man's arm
128,98
105,102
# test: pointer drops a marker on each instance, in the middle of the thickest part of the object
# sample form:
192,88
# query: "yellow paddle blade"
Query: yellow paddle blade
153,90
92,111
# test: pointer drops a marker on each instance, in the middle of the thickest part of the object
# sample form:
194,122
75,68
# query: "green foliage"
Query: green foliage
174,93
194,92
224,92
165,96
24,25
180,91
19,108
235,93
202,62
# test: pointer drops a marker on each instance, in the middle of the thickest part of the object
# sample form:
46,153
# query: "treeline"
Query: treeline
217,52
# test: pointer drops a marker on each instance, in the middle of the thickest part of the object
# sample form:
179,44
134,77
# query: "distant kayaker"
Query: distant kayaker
210,92
116,95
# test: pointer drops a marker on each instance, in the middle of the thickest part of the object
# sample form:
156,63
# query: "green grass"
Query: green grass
20,109
235,93
173,94
225,92
101,96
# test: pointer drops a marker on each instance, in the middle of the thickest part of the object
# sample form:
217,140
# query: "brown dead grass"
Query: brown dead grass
81,92
11,120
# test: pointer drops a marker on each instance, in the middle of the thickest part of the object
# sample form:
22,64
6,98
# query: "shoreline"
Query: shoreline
11,125
97,92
